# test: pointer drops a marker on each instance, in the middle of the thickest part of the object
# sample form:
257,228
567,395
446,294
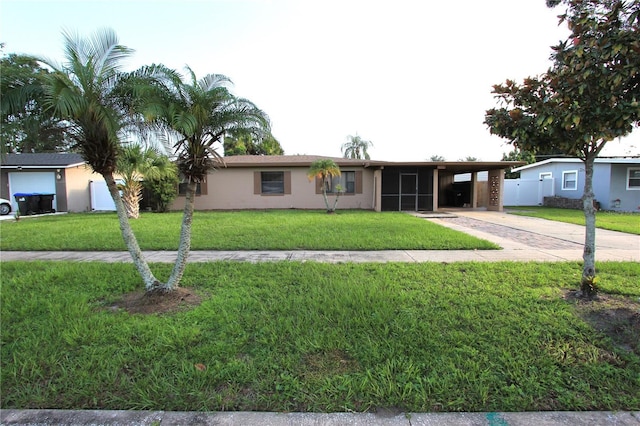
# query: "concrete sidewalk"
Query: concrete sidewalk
165,418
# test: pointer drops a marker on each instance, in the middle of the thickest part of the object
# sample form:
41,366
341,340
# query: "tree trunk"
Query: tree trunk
324,195
335,202
588,284
150,281
185,240
131,195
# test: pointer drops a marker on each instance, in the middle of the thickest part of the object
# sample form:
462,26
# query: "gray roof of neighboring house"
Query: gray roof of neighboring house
605,160
41,160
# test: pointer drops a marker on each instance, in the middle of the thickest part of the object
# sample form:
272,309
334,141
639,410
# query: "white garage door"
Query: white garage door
32,182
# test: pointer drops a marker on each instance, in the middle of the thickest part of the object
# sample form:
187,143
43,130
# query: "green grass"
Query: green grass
242,230
314,337
613,221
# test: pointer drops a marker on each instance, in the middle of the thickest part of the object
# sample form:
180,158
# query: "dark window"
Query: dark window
633,178
346,180
272,182
182,189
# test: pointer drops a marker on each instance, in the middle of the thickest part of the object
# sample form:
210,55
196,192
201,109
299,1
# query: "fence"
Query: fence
527,192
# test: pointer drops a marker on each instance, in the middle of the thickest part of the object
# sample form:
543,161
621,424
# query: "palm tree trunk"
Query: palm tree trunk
185,239
335,202
589,254
326,200
131,200
150,281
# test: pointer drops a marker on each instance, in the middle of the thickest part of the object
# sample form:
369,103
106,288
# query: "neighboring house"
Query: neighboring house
280,182
616,182
66,176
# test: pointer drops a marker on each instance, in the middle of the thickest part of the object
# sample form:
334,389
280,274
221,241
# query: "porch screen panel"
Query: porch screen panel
390,194
425,189
425,202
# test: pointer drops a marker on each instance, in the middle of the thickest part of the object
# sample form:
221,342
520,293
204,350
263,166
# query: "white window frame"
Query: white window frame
564,182
629,187
545,175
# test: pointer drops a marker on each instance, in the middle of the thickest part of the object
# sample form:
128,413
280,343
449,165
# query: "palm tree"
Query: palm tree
87,91
134,164
356,147
196,114
325,170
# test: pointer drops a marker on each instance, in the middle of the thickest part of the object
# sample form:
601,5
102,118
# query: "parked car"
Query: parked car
5,206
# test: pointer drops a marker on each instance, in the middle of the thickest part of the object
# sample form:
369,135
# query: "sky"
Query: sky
414,77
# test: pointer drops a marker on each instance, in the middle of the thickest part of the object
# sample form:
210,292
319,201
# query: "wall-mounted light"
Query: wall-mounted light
58,175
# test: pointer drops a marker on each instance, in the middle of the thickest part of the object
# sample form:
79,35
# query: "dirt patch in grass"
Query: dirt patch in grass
141,302
329,363
616,316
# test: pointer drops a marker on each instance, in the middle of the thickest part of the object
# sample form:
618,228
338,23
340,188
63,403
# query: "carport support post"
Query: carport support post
377,190
474,190
496,187
435,189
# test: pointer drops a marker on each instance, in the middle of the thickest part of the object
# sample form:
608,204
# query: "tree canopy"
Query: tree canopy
588,97
26,124
245,142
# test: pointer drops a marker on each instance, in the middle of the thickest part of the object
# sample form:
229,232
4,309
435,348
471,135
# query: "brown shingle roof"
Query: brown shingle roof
286,160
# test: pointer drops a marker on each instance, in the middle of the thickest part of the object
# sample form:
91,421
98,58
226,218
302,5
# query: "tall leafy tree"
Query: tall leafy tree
87,92
136,164
356,147
325,170
245,142
196,114
26,125
590,96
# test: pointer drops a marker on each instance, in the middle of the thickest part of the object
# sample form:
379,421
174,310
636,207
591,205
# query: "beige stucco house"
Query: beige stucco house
280,182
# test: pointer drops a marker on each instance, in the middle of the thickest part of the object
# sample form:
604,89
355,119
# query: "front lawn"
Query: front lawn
286,336
241,230
613,221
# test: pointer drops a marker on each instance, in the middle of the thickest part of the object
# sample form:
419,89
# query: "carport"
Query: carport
429,186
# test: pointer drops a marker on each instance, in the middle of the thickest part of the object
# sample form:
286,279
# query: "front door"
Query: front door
409,192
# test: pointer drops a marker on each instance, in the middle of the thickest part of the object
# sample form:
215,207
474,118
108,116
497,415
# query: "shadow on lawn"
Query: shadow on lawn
618,317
